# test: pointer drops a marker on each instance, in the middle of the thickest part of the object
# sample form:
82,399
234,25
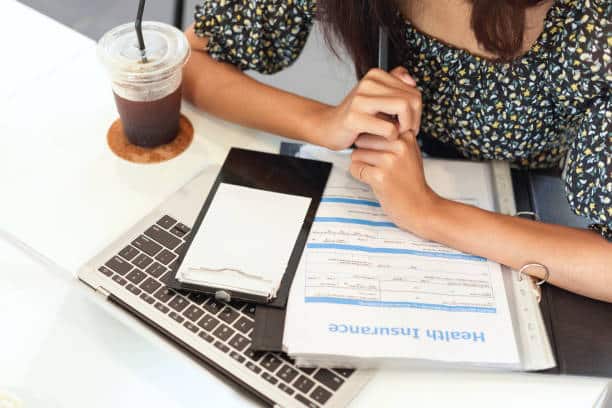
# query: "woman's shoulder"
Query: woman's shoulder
592,15
220,11
578,41
260,6
600,7
262,35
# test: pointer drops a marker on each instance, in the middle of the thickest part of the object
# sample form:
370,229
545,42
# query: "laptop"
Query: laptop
132,273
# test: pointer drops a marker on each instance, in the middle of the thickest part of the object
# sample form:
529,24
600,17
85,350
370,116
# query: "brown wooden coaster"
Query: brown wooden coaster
119,144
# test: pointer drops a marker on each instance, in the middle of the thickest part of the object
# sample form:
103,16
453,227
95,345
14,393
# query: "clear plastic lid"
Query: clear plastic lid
166,50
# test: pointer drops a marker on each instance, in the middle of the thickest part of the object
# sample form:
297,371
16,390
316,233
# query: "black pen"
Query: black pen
383,49
383,55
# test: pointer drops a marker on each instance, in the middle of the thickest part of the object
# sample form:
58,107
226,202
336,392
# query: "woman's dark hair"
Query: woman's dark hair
498,24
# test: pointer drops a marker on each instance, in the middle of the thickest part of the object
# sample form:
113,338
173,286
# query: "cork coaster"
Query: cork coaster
119,144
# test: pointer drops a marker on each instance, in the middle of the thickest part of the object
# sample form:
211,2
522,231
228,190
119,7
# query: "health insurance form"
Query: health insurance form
366,289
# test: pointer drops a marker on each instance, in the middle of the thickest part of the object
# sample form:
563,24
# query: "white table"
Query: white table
63,346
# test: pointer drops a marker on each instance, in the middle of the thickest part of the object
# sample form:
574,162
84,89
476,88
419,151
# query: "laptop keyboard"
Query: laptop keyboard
143,266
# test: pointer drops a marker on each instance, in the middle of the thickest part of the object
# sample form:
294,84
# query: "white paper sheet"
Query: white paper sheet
367,290
245,240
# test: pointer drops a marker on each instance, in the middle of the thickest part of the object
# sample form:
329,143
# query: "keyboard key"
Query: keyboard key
147,245
250,310
253,367
119,280
161,308
239,342
178,303
198,298
345,372
237,304
192,327
287,373
136,276
208,323
142,261
254,355
305,401
321,395
206,336
156,269
237,357
166,278
150,285
180,230
308,370
286,388
133,289
163,237
269,378
329,379
166,221
181,248
270,362
221,346
303,384
244,325
149,299
164,294
223,332
106,271
165,257
174,265
128,252
228,315
119,265
213,306
177,317
193,313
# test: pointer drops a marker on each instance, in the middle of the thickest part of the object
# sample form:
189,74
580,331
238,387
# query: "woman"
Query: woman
519,80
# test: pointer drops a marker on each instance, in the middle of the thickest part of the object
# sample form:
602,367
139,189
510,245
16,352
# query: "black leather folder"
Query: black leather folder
579,328
270,172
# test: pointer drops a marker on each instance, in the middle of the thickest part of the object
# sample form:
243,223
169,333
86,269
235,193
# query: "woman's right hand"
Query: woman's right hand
370,108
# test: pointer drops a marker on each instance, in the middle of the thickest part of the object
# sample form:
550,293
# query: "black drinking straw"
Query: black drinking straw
141,43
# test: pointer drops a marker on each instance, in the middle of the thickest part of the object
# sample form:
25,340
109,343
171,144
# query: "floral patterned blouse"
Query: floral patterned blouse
548,108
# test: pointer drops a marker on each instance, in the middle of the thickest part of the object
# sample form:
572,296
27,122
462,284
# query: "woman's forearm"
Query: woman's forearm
578,260
224,91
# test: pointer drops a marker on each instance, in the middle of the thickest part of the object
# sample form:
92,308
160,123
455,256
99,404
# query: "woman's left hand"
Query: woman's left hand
394,170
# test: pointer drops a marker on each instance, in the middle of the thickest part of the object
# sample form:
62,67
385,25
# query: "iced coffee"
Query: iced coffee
147,91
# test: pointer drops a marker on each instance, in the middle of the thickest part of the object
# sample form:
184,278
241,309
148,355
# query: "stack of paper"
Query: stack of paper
245,240
369,294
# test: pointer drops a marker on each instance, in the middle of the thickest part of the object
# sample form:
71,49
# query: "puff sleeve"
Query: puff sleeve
262,35
588,180
588,176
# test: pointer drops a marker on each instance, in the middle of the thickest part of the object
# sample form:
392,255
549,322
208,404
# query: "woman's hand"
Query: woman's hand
578,260
394,170
366,110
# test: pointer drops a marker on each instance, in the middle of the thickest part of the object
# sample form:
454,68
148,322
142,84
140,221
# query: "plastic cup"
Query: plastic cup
147,94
